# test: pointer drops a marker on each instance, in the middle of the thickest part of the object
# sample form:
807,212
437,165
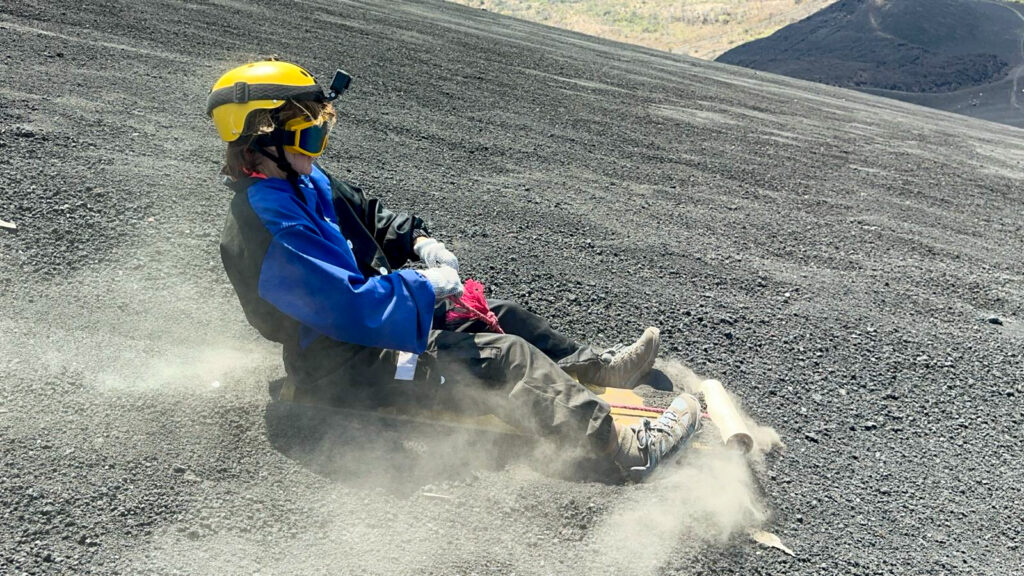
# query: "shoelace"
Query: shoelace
643,435
667,420
665,423
608,354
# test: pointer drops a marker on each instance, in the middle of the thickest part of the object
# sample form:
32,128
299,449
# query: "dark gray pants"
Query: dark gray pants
524,377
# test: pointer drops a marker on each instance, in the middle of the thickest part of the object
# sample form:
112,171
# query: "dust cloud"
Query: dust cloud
406,496
765,438
703,501
155,328
363,485
707,498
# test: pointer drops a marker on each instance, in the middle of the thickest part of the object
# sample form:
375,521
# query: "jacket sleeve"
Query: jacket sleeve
393,232
319,285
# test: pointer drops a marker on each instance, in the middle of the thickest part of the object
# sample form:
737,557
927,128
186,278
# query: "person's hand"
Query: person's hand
434,254
444,280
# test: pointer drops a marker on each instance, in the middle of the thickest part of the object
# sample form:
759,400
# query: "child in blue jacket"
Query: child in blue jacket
320,268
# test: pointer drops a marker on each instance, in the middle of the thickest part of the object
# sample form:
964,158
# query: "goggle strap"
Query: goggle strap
271,139
242,92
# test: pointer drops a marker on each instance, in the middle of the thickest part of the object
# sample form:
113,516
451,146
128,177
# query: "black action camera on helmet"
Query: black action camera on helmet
340,83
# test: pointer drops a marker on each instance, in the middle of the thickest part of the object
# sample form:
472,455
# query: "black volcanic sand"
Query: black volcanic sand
849,265
964,56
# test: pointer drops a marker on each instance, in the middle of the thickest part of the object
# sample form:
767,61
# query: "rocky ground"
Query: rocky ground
848,265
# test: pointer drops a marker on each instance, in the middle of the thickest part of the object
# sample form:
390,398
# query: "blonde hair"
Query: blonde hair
242,158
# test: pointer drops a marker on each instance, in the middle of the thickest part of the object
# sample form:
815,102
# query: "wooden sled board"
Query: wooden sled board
628,408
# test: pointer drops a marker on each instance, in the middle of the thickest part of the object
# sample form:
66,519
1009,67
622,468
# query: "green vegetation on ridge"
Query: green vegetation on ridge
701,28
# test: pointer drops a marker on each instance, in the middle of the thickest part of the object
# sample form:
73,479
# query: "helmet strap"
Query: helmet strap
283,165
279,160
276,139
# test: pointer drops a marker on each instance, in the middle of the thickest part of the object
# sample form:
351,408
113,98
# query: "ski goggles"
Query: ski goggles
306,136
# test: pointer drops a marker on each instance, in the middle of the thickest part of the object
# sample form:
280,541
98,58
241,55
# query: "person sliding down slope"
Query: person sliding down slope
317,266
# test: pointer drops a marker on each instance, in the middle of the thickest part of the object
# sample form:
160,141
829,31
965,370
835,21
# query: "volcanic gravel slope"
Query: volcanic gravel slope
849,265
965,56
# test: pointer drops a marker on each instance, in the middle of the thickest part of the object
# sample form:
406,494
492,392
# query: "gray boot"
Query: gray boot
643,446
628,365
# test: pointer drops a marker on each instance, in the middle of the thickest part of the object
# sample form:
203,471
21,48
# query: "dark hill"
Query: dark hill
947,54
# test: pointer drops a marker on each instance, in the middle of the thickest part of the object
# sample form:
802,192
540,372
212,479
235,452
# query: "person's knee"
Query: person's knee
506,309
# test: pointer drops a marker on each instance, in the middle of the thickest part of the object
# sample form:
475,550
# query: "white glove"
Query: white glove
434,254
444,280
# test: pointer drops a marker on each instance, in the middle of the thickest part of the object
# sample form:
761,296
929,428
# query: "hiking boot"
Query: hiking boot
644,445
626,366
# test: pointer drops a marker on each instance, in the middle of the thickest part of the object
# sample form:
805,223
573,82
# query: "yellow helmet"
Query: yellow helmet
257,86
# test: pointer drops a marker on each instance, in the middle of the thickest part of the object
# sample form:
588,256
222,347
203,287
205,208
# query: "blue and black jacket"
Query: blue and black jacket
313,269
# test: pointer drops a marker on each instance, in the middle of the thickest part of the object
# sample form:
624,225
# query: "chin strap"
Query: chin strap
283,165
280,160
276,140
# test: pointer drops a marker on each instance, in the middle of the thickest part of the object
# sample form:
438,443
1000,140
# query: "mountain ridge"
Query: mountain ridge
958,55
703,29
